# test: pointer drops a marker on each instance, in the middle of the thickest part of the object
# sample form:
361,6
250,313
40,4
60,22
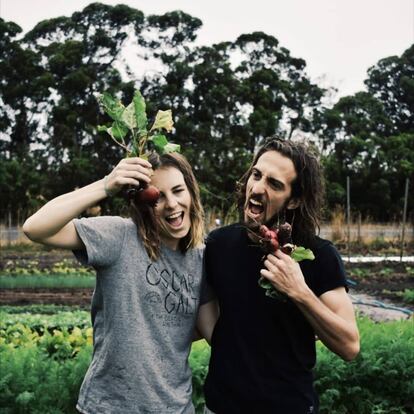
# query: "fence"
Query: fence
366,233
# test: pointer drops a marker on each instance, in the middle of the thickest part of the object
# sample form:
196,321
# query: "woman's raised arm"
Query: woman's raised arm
52,225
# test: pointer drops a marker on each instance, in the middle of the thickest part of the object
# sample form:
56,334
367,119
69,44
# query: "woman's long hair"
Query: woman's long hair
307,188
144,216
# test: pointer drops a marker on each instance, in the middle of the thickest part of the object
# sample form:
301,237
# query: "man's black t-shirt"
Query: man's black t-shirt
263,349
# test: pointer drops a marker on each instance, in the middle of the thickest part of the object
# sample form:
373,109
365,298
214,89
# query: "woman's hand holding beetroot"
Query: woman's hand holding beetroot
132,171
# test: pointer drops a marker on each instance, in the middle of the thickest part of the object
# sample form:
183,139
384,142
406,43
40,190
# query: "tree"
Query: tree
370,137
226,98
391,81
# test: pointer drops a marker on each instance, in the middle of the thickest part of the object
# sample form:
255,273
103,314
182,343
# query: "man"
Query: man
263,349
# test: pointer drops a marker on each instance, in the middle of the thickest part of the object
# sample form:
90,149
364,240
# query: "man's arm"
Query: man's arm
331,315
333,320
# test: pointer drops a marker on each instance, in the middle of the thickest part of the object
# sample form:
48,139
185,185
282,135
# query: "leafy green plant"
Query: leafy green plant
45,309
132,121
359,272
408,295
409,270
386,271
129,130
42,370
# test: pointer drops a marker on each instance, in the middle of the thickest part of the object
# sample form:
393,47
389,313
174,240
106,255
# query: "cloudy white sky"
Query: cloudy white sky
339,39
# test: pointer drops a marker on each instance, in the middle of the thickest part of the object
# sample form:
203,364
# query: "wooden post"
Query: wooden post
407,184
359,228
348,215
9,234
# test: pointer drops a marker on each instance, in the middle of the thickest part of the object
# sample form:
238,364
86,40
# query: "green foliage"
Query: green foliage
34,383
408,295
223,108
133,119
199,359
38,309
381,379
61,319
49,281
24,267
371,140
44,369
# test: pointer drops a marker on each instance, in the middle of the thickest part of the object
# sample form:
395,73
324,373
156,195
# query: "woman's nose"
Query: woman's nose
170,201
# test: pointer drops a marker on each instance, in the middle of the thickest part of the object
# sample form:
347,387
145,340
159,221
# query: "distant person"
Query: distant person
263,348
148,288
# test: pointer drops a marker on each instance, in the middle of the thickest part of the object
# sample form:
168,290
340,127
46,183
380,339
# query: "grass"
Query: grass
47,281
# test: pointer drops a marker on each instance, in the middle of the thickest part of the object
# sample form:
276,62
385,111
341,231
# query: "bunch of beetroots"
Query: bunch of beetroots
276,238
273,239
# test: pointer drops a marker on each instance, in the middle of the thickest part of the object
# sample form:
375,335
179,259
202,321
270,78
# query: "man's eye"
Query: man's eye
276,185
256,174
178,190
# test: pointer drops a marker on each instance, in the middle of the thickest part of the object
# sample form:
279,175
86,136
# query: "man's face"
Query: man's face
269,187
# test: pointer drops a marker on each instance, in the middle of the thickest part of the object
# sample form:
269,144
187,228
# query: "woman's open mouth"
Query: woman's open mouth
175,220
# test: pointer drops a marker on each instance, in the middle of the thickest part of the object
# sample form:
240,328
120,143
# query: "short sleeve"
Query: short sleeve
330,272
207,293
103,238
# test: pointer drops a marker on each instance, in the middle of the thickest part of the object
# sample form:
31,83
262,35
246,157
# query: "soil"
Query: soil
381,282
19,297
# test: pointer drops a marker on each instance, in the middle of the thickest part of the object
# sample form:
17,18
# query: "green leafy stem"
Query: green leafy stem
129,128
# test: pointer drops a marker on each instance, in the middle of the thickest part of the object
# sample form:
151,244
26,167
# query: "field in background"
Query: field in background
363,233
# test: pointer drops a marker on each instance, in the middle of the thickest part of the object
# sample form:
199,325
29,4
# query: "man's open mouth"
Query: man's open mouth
255,207
175,219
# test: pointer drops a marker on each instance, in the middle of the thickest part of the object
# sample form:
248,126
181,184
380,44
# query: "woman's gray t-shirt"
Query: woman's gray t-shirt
143,316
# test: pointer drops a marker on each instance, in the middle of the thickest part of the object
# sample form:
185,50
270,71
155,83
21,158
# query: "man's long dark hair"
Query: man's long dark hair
307,188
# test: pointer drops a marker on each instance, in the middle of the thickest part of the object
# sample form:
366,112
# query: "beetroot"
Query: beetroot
272,239
147,194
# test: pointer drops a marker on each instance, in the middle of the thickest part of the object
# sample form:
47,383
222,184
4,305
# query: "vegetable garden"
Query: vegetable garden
43,358
46,339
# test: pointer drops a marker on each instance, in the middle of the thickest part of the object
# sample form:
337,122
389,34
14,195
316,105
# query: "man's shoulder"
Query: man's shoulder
225,232
324,249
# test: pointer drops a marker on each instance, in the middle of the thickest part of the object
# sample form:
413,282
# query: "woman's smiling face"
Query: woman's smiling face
173,206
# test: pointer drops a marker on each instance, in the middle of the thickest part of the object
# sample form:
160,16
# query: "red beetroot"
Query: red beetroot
148,194
272,239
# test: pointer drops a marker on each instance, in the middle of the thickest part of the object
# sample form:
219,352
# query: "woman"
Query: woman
148,286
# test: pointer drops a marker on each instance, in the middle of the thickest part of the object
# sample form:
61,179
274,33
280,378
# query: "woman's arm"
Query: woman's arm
206,320
52,225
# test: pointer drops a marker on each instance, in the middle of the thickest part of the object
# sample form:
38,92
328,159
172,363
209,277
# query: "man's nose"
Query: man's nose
259,187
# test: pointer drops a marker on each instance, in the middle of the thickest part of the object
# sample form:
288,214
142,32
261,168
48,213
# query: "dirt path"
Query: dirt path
379,310
20,297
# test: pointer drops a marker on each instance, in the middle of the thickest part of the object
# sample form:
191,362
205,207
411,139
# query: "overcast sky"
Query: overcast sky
339,39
